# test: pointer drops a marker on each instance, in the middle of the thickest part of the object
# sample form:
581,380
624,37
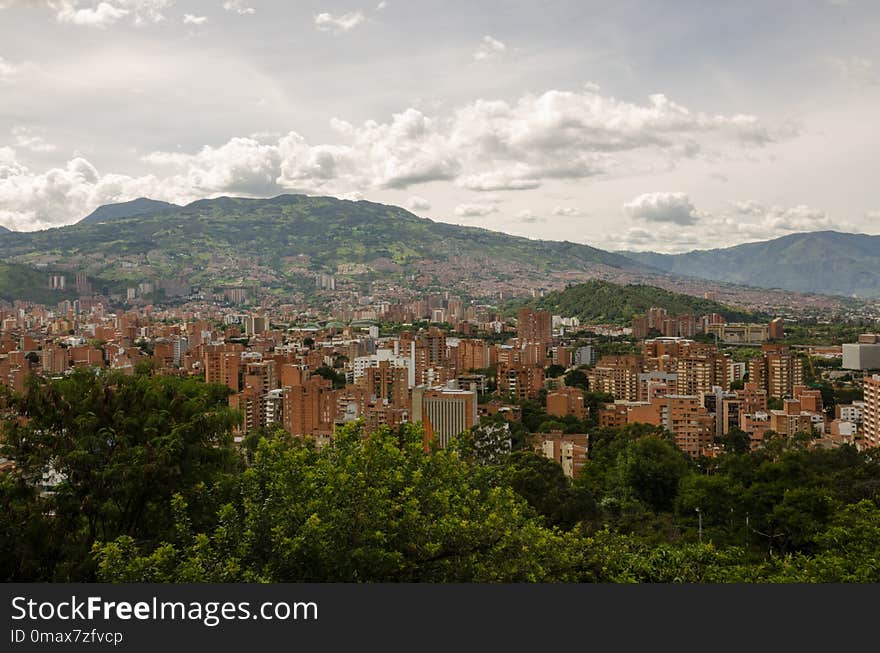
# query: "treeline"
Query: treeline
602,301
136,478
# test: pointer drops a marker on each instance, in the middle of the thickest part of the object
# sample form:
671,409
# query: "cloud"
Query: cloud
65,194
103,14
566,211
7,69
474,210
783,219
382,6
417,203
25,138
518,177
527,217
674,208
190,19
489,48
238,7
856,71
486,146
338,24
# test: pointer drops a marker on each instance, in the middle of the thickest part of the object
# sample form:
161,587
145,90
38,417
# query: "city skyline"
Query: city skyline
564,121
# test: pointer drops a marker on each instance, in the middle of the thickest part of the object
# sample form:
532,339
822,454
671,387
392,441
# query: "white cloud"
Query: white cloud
7,69
488,48
382,6
527,217
675,208
784,219
238,7
338,24
63,195
856,71
474,210
190,19
484,146
25,138
103,14
566,211
417,203
517,177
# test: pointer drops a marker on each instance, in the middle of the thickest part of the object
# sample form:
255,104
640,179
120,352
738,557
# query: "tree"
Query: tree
577,379
554,371
110,450
652,468
362,509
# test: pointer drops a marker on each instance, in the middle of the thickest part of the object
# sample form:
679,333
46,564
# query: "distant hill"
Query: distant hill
27,284
4,230
279,244
604,302
827,262
140,206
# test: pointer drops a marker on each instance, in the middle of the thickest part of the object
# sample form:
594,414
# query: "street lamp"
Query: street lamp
700,521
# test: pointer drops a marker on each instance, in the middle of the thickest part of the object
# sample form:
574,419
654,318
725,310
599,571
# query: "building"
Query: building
585,355
570,450
566,401
777,329
862,355
777,372
617,376
444,412
739,333
534,326
871,411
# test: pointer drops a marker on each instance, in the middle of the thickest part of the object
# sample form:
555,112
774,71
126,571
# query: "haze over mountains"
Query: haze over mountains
827,262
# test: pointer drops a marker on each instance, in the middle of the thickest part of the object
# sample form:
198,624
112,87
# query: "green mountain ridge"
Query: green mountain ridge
602,301
282,242
828,262
136,207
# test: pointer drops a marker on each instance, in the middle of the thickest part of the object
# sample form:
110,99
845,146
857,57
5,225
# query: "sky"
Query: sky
664,126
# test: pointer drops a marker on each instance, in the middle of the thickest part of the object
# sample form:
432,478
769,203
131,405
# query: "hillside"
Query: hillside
28,284
826,262
4,230
604,302
140,206
279,245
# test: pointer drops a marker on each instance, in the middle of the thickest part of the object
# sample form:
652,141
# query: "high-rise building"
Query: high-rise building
534,326
778,371
871,411
444,412
862,355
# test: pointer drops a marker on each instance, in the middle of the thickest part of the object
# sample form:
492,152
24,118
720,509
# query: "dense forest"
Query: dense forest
602,301
137,478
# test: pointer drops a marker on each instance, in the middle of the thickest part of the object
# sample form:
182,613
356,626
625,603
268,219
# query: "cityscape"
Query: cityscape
391,293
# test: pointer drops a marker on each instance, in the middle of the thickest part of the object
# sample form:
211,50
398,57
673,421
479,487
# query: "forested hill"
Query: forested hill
602,301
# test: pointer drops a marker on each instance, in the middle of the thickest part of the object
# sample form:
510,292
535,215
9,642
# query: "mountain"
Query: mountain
825,262
280,244
604,302
140,206
4,230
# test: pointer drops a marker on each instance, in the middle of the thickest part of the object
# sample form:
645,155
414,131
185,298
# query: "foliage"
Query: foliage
100,455
602,301
363,509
